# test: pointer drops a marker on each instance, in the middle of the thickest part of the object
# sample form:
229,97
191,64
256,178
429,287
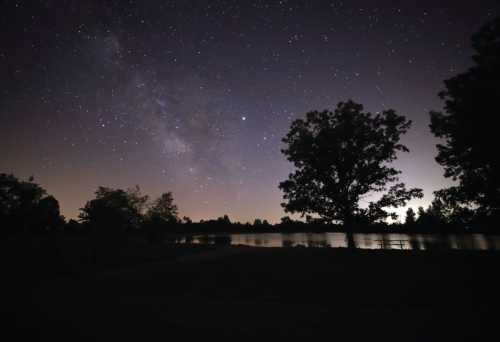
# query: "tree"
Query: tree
48,217
161,215
469,151
224,221
26,206
342,156
163,209
455,213
436,217
257,222
410,218
114,211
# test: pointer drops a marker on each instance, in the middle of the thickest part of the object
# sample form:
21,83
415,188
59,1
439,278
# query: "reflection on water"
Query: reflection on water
338,240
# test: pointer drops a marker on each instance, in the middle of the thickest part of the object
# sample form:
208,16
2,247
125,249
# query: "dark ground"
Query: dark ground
161,292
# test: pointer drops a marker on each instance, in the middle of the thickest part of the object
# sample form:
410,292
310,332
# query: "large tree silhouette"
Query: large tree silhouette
342,156
468,127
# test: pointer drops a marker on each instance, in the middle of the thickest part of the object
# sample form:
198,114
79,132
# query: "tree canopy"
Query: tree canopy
114,210
468,127
26,206
341,157
163,209
410,218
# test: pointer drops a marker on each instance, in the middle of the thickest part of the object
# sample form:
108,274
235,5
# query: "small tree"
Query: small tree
48,217
161,215
224,220
257,222
114,211
163,209
342,156
435,217
410,218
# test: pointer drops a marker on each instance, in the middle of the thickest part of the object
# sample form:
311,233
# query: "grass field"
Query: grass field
159,292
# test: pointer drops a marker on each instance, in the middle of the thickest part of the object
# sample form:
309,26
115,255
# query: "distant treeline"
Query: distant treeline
27,208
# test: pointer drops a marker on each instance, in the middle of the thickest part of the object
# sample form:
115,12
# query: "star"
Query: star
198,92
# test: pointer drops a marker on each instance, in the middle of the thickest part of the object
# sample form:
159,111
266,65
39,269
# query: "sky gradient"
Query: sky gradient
194,97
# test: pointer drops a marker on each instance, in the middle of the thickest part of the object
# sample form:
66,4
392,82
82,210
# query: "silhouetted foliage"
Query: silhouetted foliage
410,217
73,226
468,127
26,207
443,216
114,211
457,214
161,215
163,209
47,216
342,156
434,218
224,220
286,220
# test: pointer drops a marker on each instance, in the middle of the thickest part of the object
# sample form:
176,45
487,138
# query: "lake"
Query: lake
363,240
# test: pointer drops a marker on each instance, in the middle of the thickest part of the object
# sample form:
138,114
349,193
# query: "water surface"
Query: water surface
363,240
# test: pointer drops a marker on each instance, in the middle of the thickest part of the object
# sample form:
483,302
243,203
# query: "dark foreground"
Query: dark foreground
237,292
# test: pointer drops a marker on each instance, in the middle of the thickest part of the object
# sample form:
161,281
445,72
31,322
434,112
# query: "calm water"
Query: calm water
365,241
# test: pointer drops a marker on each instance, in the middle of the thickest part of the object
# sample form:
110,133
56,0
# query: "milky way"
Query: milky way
194,97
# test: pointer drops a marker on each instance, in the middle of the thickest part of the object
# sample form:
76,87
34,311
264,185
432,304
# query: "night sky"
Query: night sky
194,97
